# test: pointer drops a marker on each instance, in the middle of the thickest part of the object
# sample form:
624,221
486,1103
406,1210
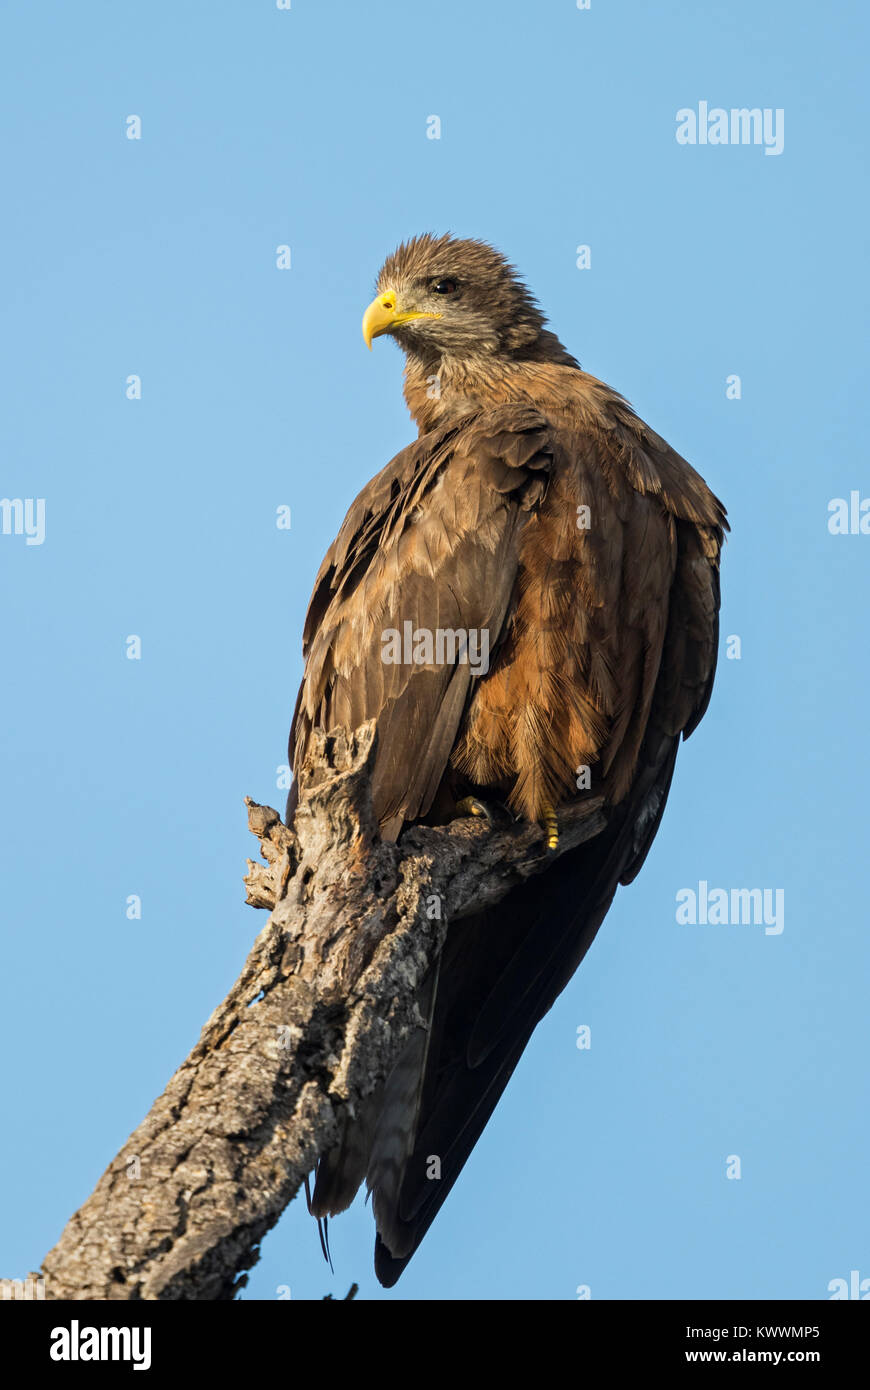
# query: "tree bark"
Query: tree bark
314,1022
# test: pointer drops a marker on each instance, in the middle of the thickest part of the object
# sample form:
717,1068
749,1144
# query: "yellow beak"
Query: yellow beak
384,314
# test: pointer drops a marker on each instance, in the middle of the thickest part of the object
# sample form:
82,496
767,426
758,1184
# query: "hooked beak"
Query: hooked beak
384,314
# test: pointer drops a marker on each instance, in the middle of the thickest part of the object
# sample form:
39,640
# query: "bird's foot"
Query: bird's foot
473,806
551,826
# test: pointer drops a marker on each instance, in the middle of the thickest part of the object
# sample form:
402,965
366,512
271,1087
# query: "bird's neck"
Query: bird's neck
440,389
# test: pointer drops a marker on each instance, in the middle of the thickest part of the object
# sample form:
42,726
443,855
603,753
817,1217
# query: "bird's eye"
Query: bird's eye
444,287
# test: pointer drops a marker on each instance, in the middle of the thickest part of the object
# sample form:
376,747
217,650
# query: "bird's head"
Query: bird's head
443,297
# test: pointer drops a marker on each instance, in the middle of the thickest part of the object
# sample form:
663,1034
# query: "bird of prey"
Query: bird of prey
537,511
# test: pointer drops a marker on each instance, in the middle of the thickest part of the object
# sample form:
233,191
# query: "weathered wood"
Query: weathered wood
312,1025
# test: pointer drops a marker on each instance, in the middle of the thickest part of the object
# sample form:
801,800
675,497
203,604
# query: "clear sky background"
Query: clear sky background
157,257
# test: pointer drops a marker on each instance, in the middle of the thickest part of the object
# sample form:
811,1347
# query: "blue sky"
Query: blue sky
157,257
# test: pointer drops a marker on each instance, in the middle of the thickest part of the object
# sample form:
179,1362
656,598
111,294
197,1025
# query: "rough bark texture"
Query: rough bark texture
313,1023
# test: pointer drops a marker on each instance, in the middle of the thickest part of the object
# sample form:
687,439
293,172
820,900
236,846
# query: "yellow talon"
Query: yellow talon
551,825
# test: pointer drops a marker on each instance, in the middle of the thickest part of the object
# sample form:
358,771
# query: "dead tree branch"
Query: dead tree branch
314,1022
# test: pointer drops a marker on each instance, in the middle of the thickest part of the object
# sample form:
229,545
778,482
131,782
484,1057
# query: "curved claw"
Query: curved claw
472,806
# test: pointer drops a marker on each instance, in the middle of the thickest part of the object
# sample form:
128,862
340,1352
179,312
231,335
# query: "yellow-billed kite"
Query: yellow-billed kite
526,601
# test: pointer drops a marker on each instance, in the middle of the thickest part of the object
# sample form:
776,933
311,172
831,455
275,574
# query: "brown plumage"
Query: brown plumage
537,508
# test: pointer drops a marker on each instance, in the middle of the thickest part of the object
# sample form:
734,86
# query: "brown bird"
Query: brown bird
571,557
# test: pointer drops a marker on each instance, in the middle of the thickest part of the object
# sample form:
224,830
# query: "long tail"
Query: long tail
500,972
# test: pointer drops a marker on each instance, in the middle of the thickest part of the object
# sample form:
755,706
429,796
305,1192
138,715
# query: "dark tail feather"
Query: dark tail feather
375,1144
502,970
399,1120
322,1227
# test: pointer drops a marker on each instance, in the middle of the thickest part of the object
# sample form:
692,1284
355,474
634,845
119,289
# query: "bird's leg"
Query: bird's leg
551,825
472,806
